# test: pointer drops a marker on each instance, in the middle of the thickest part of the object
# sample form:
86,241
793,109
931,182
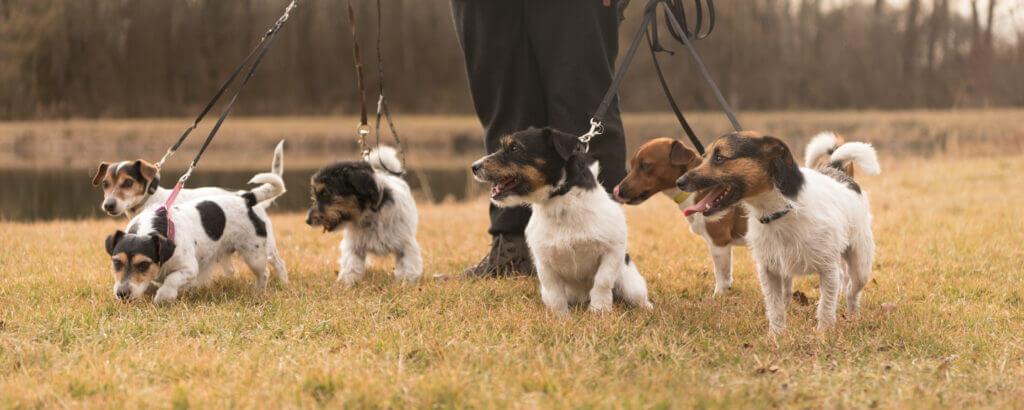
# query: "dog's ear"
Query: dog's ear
366,188
164,247
100,172
679,155
112,241
784,171
564,143
147,170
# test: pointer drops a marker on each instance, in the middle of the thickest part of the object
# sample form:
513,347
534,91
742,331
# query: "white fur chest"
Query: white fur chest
574,231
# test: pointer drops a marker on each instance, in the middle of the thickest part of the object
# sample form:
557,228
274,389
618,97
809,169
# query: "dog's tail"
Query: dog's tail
272,186
861,153
385,158
277,165
820,147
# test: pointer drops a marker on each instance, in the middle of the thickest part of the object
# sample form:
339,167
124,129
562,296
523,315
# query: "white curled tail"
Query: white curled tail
821,144
861,153
277,165
272,187
385,158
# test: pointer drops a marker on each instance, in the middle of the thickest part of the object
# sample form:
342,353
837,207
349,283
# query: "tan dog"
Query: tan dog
655,168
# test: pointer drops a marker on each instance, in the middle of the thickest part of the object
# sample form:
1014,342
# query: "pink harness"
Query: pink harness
167,209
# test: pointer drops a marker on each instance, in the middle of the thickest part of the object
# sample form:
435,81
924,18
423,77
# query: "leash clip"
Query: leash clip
363,129
596,128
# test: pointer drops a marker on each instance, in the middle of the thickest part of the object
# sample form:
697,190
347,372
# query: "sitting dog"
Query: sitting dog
655,168
131,186
205,230
807,221
376,210
577,233
660,162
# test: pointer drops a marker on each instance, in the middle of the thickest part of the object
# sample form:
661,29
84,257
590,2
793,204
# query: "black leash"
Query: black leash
673,13
363,129
259,51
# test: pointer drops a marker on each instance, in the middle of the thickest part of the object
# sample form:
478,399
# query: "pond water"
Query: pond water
45,194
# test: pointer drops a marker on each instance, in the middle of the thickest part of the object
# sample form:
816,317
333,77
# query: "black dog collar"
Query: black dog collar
766,219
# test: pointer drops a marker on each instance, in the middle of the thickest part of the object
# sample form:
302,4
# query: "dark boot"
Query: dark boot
509,256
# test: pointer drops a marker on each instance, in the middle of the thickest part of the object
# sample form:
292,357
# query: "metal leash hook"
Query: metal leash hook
596,128
363,129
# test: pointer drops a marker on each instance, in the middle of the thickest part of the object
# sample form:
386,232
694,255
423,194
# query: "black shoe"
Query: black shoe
509,256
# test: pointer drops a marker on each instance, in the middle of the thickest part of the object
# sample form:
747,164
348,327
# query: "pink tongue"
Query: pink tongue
704,204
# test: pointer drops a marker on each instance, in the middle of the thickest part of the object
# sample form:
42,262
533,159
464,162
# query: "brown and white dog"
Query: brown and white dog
803,221
654,168
657,165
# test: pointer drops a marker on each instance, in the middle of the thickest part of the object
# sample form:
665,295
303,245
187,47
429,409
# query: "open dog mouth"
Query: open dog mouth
501,188
720,197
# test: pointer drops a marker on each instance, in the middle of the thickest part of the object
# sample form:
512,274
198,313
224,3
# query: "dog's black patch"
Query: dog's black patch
160,221
257,223
577,174
837,171
627,258
783,168
213,219
155,247
352,179
134,227
551,153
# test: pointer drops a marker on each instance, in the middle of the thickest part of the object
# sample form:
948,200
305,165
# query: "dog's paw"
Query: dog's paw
722,290
165,296
347,279
600,308
648,305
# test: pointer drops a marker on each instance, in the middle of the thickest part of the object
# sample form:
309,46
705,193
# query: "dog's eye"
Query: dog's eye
644,166
513,147
718,158
118,265
143,266
127,183
106,184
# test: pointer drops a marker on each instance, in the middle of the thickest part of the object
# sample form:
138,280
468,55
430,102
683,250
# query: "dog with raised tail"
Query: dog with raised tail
577,233
129,187
177,249
803,221
374,207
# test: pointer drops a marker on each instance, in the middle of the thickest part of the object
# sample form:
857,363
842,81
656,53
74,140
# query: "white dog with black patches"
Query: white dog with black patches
373,205
205,231
577,234
804,221
129,187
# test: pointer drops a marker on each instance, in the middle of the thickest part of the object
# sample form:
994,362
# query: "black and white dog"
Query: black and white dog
577,234
376,210
206,230
803,221
132,186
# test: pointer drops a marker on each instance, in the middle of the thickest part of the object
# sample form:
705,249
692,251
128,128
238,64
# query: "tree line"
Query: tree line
143,58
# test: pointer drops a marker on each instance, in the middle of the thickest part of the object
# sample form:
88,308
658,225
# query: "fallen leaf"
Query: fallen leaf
801,298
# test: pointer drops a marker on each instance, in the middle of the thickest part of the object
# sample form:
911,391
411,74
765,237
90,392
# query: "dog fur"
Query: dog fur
654,168
205,231
375,209
129,187
805,221
577,234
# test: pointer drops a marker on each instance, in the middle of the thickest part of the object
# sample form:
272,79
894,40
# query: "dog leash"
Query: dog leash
262,46
363,129
673,13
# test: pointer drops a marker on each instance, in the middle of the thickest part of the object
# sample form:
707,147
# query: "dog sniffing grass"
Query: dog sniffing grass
941,324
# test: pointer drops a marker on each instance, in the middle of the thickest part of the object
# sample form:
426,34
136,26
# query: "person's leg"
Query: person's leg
505,87
576,43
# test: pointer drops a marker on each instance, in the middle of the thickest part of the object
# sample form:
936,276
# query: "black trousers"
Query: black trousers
542,63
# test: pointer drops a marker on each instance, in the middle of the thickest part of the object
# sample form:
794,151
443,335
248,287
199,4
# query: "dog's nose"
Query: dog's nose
682,182
109,206
476,166
309,220
123,294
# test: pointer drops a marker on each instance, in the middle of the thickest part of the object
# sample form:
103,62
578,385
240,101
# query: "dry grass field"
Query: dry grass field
942,323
